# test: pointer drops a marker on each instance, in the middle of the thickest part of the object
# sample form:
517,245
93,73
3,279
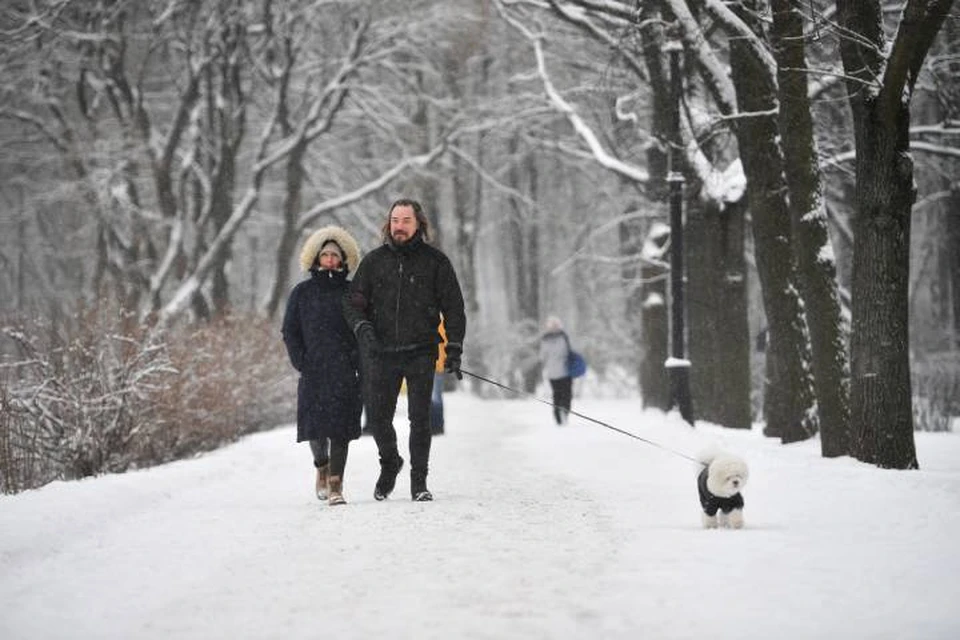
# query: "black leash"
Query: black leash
580,415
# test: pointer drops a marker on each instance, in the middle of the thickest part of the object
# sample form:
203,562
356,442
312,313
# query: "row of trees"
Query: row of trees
749,65
170,155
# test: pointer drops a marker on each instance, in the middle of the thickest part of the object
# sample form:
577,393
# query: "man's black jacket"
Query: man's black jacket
402,290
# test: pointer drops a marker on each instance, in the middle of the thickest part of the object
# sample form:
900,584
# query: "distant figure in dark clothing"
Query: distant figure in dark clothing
396,299
324,350
554,351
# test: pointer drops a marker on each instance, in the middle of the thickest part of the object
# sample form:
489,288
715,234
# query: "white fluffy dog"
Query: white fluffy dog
719,484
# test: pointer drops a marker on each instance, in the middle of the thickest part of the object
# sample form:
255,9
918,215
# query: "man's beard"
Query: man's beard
401,237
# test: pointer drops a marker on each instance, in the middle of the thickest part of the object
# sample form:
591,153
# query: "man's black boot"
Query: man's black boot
388,477
418,489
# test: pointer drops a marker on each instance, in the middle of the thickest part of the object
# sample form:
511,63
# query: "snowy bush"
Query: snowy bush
76,401
105,395
232,378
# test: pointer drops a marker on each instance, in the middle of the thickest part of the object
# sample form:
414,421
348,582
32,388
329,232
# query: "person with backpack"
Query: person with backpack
554,357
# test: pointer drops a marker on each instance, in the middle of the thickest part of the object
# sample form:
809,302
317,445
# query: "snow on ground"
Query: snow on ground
536,532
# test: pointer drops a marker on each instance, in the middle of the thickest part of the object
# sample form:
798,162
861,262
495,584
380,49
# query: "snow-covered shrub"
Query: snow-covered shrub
102,394
232,378
19,465
76,398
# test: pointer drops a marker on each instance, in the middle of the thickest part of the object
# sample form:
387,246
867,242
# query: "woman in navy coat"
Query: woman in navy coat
324,350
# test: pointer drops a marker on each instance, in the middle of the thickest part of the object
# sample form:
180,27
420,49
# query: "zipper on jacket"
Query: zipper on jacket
396,315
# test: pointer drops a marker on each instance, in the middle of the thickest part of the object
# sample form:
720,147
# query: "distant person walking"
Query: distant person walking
396,298
554,354
323,349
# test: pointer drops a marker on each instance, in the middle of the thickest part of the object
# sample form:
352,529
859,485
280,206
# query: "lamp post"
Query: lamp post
677,365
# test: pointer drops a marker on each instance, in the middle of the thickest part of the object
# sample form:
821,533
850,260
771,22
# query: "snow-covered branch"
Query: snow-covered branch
918,27
308,217
601,155
714,71
579,19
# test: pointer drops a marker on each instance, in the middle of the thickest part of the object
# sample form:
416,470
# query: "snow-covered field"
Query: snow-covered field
536,532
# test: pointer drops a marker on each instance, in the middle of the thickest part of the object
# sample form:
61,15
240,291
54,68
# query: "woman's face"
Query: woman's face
329,259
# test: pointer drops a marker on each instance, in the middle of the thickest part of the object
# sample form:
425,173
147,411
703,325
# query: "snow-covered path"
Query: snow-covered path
537,532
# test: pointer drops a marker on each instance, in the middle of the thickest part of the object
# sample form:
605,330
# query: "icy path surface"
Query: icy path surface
536,532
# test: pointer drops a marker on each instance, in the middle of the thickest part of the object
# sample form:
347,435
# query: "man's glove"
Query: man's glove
367,338
452,363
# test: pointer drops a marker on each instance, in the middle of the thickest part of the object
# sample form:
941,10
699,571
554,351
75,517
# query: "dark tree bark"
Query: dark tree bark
286,251
649,299
717,312
789,402
226,120
524,239
816,269
951,259
425,184
655,331
879,91
717,303
287,246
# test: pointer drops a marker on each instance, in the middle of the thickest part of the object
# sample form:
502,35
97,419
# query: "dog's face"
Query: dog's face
726,476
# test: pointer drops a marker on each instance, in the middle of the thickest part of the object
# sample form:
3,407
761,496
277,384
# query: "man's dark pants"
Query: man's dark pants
384,378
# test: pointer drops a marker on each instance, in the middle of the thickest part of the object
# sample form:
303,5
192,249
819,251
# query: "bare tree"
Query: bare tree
880,86
789,401
812,251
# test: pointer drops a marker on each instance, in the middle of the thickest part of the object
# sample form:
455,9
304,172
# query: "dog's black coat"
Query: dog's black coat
711,503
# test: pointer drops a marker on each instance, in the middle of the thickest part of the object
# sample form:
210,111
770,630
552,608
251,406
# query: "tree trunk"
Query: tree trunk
816,268
287,246
789,402
881,416
463,251
717,312
951,258
880,81
227,123
655,338
523,239
648,300
424,183
531,235
630,240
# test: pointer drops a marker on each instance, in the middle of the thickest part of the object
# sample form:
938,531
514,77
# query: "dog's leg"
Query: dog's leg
709,522
736,519
722,519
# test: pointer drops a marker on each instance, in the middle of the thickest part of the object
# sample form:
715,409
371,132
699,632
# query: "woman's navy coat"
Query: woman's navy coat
324,350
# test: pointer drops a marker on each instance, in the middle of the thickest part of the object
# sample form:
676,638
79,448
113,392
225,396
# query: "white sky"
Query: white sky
536,532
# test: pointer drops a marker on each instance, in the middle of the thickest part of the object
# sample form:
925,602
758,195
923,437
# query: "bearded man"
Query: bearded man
394,306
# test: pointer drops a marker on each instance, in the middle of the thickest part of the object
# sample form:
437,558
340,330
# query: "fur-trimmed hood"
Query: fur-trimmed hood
351,250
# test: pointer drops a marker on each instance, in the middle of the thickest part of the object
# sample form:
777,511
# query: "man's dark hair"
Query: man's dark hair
422,223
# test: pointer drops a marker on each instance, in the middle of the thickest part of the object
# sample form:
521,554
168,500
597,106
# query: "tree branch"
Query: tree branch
919,24
606,160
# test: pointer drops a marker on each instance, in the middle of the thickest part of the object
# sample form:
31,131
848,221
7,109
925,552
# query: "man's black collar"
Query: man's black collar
410,245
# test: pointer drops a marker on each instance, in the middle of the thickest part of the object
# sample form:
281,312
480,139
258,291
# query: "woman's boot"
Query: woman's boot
323,478
336,491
